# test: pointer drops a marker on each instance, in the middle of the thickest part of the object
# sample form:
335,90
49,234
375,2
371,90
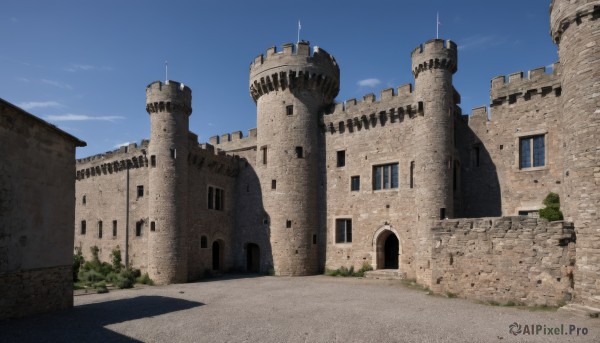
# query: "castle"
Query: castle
323,184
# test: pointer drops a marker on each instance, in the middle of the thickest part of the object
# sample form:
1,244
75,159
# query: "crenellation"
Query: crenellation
508,88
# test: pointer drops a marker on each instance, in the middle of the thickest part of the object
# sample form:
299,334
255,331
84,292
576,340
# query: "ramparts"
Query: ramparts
509,259
370,112
235,141
506,89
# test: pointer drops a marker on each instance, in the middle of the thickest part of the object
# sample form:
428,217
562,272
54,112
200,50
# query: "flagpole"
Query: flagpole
166,71
299,27
437,26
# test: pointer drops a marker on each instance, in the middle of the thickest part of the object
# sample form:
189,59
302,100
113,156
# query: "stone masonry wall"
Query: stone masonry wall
36,214
102,180
518,259
521,108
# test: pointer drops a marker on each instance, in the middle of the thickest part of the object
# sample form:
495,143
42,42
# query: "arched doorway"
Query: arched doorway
252,258
216,255
391,249
388,251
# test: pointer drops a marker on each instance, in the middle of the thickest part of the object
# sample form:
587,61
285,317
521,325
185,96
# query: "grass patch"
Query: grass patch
349,272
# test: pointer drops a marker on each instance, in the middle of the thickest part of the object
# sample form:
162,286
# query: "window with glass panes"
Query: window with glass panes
385,176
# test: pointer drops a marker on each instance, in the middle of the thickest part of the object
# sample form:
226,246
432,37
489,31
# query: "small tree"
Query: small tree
78,260
552,210
116,259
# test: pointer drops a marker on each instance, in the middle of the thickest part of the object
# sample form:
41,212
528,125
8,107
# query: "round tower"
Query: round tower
575,29
169,105
290,89
433,65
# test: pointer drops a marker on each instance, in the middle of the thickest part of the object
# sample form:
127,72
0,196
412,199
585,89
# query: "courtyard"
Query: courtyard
299,309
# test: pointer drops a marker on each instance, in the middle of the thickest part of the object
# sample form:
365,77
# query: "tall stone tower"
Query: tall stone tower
433,65
575,28
290,89
169,105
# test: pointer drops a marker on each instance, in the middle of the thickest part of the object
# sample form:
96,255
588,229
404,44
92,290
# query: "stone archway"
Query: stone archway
388,250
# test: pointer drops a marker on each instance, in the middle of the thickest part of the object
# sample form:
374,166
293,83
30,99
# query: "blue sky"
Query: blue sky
84,65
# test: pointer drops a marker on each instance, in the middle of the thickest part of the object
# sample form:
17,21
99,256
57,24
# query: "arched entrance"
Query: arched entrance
216,255
252,258
387,248
390,252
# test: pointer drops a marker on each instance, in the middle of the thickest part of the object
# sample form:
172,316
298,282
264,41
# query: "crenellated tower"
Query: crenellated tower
575,28
290,89
433,65
169,105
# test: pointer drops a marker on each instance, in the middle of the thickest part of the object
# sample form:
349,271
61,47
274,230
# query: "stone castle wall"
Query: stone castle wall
520,108
36,214
518,259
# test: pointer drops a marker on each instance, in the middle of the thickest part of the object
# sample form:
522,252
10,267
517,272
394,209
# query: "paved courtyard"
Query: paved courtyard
282,309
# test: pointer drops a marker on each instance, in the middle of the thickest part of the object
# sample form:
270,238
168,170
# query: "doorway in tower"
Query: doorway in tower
217,255
252,258
387,249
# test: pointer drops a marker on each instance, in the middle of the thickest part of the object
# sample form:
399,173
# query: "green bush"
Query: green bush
145,280
552,210
345,272
78,260
116,259
100,287
89,277
111,277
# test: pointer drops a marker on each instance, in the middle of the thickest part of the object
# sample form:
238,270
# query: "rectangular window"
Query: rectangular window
299,152
532,152
341,158
173,153
100,229
264,154
84,200
152,226
314,239
412,174
210,198
530,214
289,110
355,183
140,191
203,242
273,184
343,230
114,228
442,213
216,198
288,224
138,228
385,176
83,228
153,161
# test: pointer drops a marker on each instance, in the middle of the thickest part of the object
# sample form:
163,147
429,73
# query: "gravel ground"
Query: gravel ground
282,309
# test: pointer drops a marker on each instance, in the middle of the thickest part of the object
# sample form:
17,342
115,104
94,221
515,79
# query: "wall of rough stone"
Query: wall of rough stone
518,259
103,180
371,133
36,214
574,28
210,168
520,107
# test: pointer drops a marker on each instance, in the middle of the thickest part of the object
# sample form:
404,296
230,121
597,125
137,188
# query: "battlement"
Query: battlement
235,140
132,156
168,96
435,54
565,13
206,157
508,88
354,115
294,68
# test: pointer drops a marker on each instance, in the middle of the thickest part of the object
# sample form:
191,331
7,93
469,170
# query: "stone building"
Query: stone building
323,184
37,210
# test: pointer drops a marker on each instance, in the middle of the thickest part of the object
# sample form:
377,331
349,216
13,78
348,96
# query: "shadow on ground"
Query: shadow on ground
86,323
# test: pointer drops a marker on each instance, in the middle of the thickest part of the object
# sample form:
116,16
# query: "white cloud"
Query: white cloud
38,104
81,117
479,41
86,67
56,84
368,82
121,144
